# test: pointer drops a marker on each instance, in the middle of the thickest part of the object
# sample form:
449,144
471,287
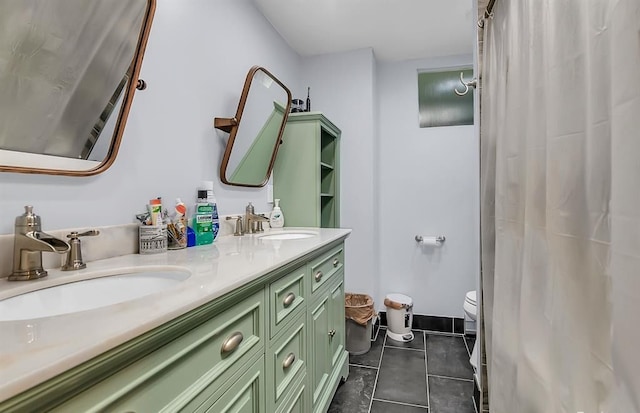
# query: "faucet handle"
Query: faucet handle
238,229
74,235
259,223
74,258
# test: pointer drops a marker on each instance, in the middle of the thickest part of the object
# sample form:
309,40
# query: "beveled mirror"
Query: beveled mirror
255,132
68,73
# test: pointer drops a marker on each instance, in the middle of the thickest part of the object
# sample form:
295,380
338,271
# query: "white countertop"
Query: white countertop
33,351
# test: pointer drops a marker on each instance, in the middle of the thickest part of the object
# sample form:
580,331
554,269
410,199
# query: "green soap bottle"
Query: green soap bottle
203,220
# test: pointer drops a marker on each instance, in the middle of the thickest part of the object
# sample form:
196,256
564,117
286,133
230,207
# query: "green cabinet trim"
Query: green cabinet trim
314,116
297,402
245,396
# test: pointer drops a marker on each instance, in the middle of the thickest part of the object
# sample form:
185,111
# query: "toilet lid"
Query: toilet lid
471,297
400,299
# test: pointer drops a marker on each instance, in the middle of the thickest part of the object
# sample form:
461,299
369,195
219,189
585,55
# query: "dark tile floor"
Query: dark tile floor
431,374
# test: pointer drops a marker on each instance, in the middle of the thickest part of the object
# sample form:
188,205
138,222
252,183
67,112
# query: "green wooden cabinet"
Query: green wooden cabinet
291,356
306,175
327,351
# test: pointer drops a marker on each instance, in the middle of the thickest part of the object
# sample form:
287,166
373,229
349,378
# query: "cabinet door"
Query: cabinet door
319,347
337,321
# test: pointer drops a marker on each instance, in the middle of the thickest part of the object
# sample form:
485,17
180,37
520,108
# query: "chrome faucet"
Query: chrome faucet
251,218
28,245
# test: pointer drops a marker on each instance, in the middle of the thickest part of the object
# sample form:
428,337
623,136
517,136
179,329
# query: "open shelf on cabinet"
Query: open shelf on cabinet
327,182
326,166
327,148
328,212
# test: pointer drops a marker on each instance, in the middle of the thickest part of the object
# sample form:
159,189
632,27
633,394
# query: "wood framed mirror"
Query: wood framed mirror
255,133
68,73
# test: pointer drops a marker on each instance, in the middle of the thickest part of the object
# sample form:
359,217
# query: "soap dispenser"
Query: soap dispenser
276,220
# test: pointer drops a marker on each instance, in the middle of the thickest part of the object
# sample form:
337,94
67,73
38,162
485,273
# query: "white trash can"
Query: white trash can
399,317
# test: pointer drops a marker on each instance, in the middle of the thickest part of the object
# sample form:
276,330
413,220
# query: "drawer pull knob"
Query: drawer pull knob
332,333
336,262
232,342
318,276
288,361
288,300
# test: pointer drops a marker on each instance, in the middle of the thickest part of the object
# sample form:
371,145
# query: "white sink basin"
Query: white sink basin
294,234
88,294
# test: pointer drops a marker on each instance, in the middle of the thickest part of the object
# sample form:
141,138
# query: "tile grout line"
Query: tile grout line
375,383
400,403
451,333
442,333
362,366
405,348
451,378
466,346
426,369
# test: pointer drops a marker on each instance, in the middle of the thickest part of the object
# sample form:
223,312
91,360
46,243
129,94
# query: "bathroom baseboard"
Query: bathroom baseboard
432,323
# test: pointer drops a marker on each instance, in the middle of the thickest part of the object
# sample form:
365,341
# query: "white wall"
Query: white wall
198,55
342,86
428,185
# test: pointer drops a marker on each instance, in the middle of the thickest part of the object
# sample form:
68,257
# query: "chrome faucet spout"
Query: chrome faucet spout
41,241
29,243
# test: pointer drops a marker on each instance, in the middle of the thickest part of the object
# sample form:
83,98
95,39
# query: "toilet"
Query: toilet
470,311
470,307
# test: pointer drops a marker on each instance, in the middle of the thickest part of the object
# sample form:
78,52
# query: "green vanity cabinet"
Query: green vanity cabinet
290,357
306,174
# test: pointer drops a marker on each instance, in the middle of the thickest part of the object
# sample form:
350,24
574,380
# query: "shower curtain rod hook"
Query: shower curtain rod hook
473,82
484,17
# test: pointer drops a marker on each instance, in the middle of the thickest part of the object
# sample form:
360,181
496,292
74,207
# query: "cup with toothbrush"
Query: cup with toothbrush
177,226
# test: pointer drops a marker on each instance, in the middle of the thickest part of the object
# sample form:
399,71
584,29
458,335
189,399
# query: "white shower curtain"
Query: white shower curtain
560,133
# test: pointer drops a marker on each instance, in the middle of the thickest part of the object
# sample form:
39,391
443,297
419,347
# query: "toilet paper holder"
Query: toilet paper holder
439,239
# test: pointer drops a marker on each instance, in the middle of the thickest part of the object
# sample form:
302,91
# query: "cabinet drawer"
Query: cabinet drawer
286,363
297,403
325,267
286,299
246,395
175,376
